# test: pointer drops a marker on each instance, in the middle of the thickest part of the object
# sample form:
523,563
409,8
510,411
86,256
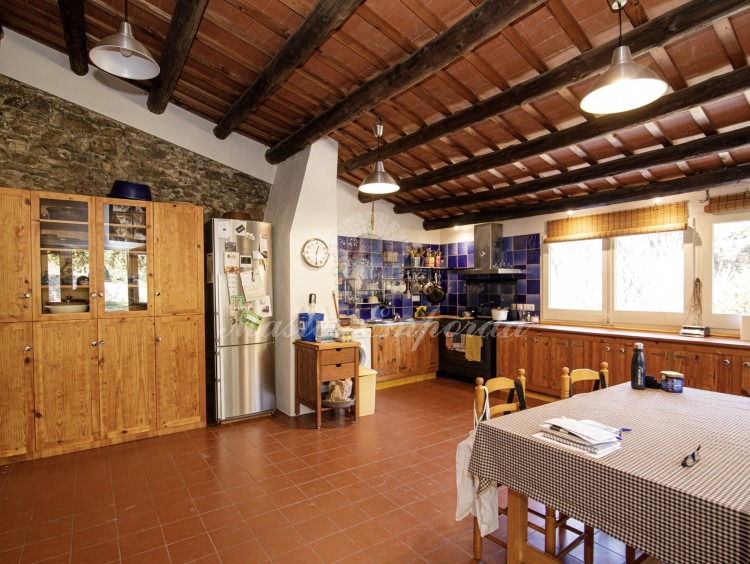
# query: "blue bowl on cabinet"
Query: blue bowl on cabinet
130,190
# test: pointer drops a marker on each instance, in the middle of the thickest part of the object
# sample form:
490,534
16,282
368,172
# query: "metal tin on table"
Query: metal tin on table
672,381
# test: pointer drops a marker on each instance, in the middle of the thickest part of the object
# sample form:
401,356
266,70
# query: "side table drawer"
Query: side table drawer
337,356
338,371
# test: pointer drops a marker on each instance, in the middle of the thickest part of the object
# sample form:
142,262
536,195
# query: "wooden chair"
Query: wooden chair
600,380
515,401
568,379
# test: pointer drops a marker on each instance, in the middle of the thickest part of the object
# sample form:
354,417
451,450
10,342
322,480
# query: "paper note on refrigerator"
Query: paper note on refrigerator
252,285
250,319
223,228
263,306
231,262
233,285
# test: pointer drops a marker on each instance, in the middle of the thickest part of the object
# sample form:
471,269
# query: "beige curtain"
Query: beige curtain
729,203
653,219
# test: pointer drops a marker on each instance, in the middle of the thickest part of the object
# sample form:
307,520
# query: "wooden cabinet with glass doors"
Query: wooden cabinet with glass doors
84,270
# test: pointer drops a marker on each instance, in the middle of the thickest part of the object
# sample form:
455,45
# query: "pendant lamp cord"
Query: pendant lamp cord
619,19
126,11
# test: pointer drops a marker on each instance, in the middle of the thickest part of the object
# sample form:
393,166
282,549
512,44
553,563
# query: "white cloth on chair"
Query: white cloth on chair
483,506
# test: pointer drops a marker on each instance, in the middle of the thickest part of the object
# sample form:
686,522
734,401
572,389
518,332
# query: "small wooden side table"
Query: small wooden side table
316,363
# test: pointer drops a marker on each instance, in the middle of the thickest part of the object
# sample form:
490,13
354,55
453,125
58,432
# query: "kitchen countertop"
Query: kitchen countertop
719,340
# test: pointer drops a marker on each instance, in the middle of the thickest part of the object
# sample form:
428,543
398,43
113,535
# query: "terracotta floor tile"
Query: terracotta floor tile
93,518
330,502
281,541
246,492
129,524
38,551
220,518
288,496
392,551
302,555
301,511
180,530
317,528
11,556
378,505
250,551
207,487
94,535
169,497
134,506
212,502
191,549
52,513
12,539
349,516
48,529
335,547
256,507
268,523
176,512
154,556
108,551
367,534
231,535
142,541
449,553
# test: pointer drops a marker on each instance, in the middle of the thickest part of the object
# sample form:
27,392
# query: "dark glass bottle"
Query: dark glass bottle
638,368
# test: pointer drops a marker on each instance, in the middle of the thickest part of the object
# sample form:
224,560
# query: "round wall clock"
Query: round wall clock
315,252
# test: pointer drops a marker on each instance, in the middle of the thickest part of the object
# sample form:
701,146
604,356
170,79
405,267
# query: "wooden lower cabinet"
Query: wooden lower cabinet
543,353
404,349
511,353
180,381
66,384
16,389
126,373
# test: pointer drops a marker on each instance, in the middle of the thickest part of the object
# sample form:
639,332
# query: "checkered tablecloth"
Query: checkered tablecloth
640,494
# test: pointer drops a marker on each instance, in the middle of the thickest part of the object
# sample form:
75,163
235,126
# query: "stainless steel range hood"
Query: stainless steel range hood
488,251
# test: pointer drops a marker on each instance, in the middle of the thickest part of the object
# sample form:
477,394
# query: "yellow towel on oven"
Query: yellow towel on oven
473,348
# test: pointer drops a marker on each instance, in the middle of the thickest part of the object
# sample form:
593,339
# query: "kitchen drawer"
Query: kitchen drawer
337,356
338,371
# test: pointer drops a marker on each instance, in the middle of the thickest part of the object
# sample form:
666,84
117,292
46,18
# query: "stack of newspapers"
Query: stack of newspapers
587,436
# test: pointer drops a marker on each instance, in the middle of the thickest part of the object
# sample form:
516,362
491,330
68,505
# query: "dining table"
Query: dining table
678,488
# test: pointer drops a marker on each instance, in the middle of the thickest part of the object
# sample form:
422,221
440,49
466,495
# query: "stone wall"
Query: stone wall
47,143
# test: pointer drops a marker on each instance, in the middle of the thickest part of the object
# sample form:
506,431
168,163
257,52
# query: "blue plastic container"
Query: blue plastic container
307,324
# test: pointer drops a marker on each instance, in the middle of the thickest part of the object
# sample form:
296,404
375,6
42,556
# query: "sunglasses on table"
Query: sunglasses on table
692,458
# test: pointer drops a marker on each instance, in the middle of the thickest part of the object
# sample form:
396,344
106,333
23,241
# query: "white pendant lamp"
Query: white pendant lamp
123,55
378,181
625,85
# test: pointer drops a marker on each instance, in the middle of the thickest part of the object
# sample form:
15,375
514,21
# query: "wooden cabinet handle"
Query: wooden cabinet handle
746,365
37,415
158,339
100,294
678,356
26,296
101,343
27,348
94,343
338,365
607,349
726,362
622,350
93,294
157,293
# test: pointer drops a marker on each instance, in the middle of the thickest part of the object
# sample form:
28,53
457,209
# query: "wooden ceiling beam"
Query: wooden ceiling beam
669,26
74,29
482,23
325,18
569,24
694,183
691,149
700,93
183,28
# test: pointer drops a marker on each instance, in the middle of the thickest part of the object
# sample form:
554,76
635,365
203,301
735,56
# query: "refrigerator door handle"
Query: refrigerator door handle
219,394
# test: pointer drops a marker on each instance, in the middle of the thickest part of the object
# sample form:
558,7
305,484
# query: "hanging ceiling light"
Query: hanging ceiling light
378,181
625,85
123,55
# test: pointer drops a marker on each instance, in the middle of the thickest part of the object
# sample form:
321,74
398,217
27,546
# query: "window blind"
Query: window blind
653,219
728,203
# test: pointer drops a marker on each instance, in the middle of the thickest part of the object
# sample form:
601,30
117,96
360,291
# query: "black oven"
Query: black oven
460,355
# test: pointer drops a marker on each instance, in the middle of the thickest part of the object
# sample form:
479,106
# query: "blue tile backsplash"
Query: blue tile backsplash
378,267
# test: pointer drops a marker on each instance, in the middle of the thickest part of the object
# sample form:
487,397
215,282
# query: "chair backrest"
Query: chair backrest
569,378
516,398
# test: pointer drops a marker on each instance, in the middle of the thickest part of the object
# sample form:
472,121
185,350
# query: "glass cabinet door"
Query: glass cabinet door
64,257
125,255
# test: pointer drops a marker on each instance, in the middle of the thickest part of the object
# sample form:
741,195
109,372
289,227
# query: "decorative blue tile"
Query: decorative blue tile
342,243
463,261
533,272
452,286
452,262
519,259
452,249
519,243
521,286
534,241
376,260
507,243
532,256
463,248
508,258
462,299
534,299
471,260
471,248
532,287
452,299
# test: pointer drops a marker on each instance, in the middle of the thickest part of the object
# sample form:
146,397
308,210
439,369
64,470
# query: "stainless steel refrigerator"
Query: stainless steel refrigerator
239,324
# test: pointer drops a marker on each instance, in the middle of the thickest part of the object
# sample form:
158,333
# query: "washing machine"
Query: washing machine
364,336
